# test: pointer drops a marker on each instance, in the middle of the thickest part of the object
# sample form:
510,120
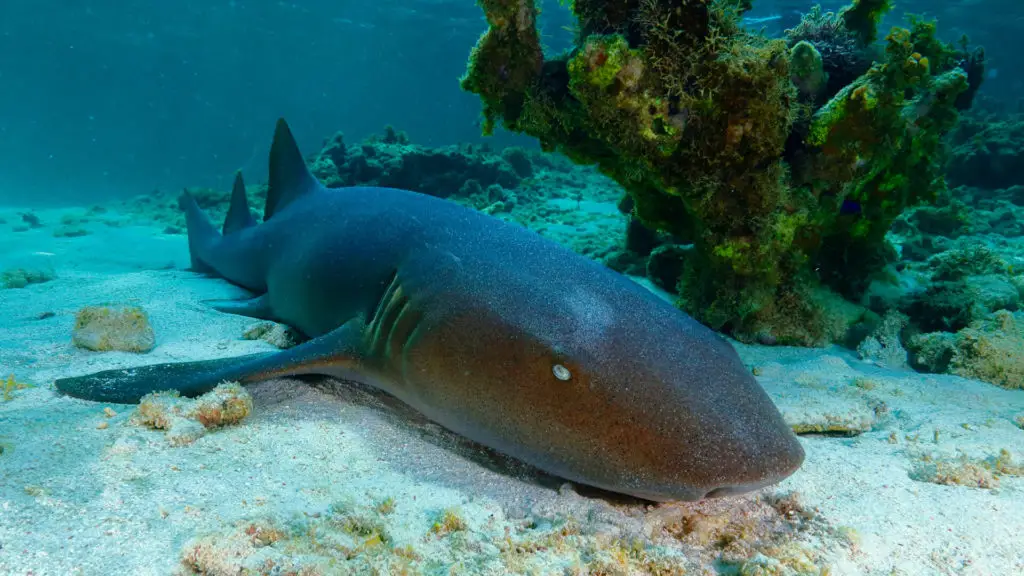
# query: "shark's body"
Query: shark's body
487,328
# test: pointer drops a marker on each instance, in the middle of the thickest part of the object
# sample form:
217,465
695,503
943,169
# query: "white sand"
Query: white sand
77,499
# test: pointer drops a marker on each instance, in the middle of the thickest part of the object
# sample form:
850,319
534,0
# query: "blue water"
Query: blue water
103,99
106,99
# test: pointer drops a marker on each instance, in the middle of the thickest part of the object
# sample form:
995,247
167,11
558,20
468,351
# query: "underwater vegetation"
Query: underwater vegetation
784,162
9,386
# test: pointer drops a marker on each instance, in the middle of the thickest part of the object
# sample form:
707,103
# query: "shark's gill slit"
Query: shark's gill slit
382,304
405,322
386,323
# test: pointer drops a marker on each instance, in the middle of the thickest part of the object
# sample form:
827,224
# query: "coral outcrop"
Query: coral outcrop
390,160
784,162
387,159
990,349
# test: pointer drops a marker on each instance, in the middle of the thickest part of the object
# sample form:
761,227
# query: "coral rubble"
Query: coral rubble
106,328
22,277
988,151
272,333
186,420
774,534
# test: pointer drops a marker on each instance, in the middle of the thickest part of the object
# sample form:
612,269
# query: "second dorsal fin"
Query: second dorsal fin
289,176
239,217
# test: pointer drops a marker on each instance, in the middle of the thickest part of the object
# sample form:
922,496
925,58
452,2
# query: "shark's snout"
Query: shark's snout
778,462
702,457
708,428
737,440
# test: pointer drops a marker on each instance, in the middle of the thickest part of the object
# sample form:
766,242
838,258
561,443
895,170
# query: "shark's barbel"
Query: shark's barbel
485,327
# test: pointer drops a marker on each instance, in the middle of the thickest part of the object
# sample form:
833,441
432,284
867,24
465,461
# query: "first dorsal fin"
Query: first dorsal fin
289,176
239,216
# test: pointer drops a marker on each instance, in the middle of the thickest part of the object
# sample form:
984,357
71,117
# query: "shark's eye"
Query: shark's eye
561,372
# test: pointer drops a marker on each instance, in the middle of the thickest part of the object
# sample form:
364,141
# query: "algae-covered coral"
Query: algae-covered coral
990,349
784,161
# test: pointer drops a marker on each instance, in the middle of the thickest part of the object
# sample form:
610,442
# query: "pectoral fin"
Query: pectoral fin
258,307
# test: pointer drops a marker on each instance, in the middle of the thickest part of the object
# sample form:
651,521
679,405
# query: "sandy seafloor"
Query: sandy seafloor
76,498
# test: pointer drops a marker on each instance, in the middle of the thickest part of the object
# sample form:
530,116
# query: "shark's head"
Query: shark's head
601,382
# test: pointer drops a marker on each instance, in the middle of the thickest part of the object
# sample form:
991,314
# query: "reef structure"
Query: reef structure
783,161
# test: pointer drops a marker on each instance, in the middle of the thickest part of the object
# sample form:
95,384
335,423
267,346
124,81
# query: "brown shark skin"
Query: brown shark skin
489,329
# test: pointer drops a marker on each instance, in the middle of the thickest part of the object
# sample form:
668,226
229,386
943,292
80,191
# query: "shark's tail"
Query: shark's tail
290,179
201,232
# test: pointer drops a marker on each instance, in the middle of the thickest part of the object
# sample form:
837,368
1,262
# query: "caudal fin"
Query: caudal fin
338,350
290,178
201,233
129,385
239,216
